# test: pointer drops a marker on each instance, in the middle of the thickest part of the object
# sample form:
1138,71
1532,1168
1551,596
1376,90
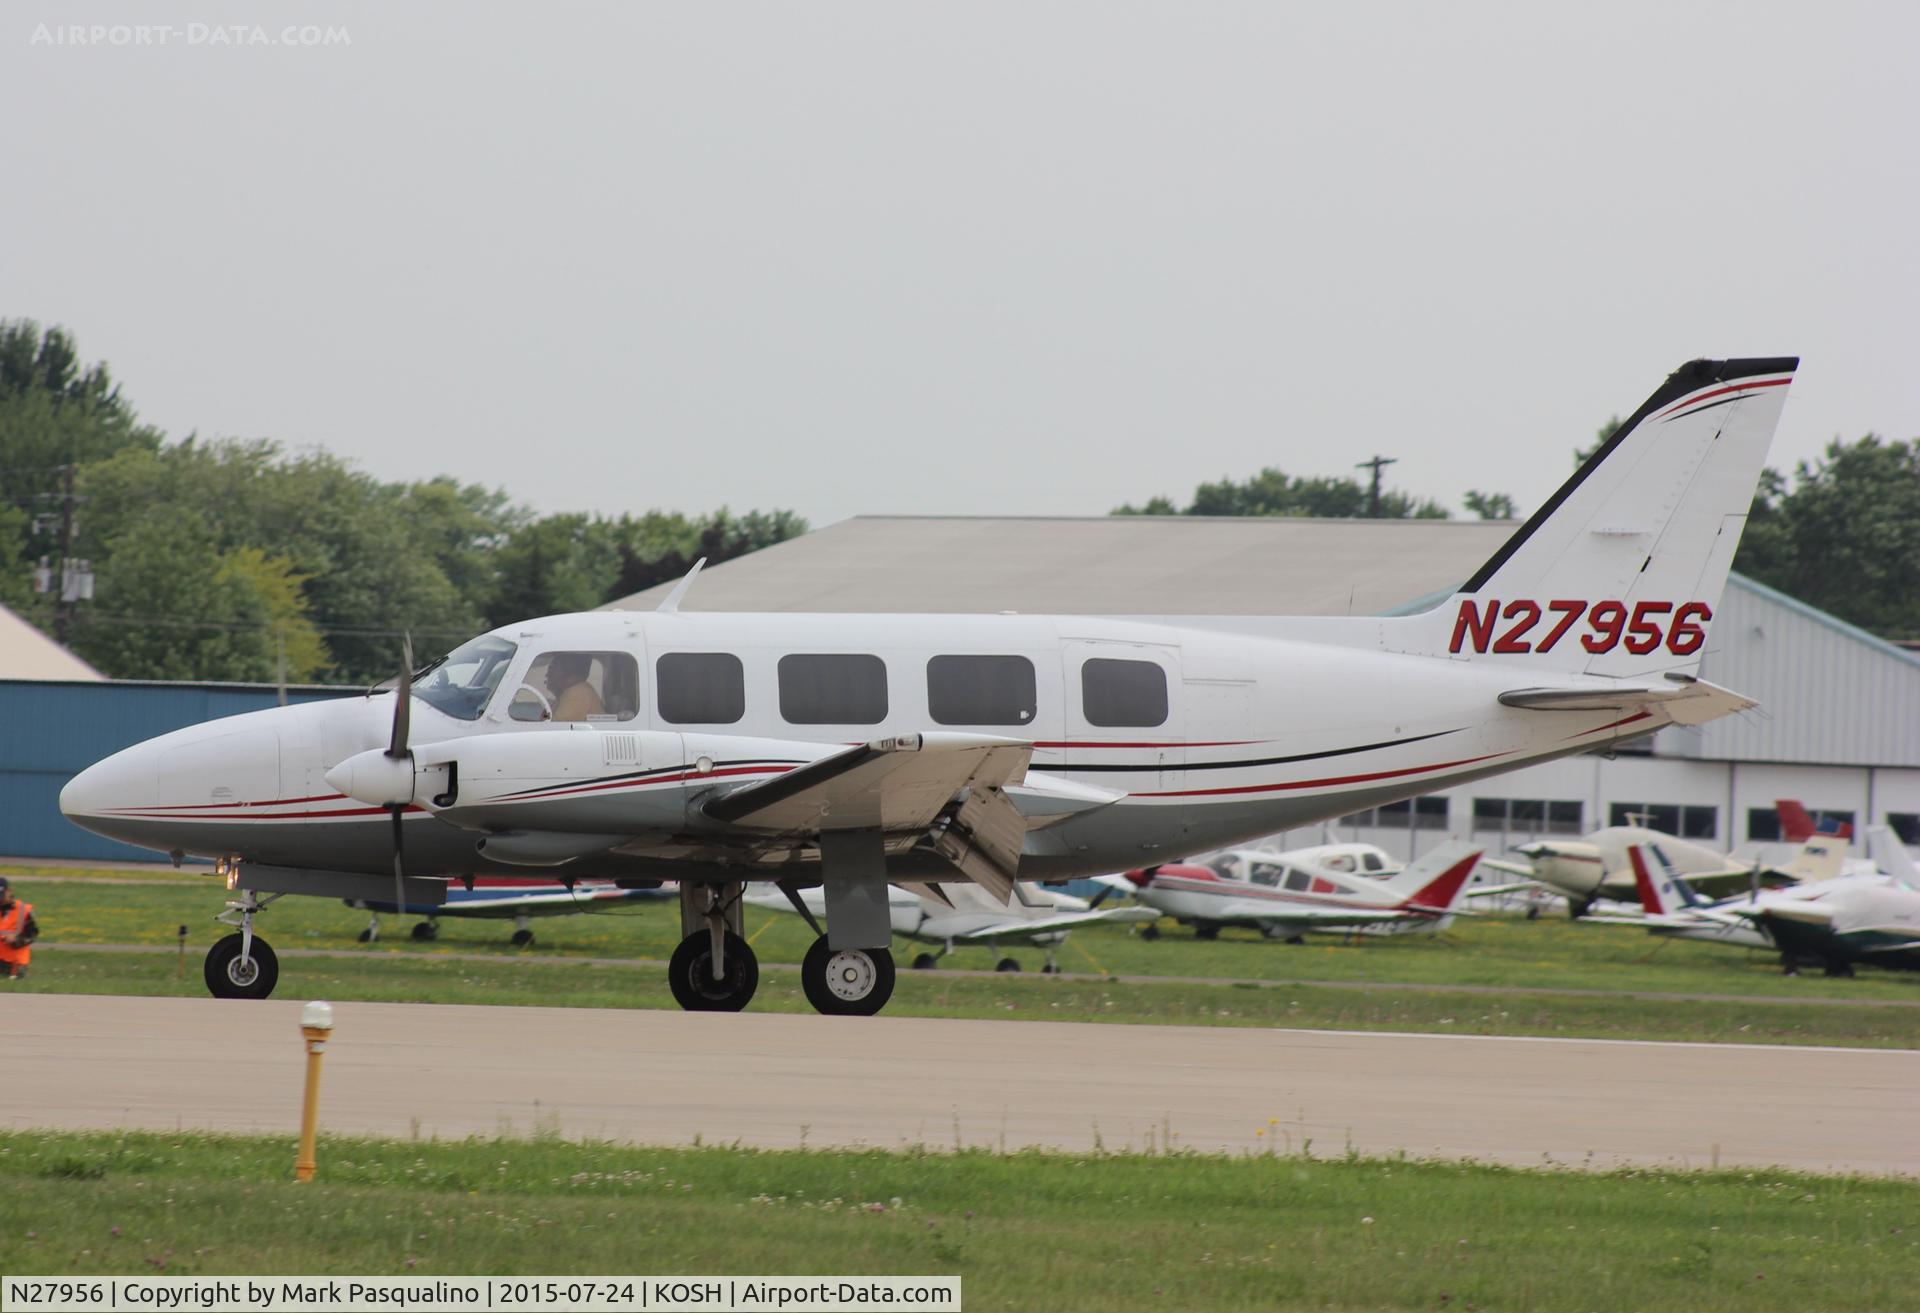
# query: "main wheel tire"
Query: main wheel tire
1006,964
924,961
847,982
425,931
229,976
690,974
365,936
521,938
1150,932
1206,930
1838,970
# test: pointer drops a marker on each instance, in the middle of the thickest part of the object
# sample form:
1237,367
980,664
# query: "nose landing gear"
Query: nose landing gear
242,965
713,969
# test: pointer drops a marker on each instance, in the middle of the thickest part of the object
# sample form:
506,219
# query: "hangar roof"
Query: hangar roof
26,653
1098,565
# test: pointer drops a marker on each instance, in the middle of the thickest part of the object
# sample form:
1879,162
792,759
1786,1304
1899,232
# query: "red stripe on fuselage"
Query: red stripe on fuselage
1326,782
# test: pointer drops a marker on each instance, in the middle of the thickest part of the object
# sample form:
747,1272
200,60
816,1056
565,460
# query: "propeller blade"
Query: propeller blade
402,701
1106,892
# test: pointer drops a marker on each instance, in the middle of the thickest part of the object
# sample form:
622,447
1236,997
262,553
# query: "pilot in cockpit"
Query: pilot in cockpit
574,698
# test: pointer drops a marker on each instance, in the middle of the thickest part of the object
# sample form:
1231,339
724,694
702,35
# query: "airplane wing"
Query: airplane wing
900,787
1065,921
1522,869
893,785
1722,883
1683,700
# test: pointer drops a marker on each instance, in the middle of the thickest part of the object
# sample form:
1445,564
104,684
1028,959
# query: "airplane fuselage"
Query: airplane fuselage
1207,737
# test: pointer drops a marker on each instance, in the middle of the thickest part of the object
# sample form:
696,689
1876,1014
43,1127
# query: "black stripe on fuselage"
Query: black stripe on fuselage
636,775
1076,767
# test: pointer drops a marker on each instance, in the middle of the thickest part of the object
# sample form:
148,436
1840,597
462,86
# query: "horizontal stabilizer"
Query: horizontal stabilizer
1683,702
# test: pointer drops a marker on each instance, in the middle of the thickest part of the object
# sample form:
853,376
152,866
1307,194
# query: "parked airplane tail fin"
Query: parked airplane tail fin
1662,891
1890,855
1434,882
1820,858
1620,571
1796,824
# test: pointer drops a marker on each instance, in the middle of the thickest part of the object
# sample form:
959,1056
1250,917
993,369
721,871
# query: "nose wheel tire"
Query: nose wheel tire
425,931
522,938
231,976
925,962
1006,964
847,982
690,974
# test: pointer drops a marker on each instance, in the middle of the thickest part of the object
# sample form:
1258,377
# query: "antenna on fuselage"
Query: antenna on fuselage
671,602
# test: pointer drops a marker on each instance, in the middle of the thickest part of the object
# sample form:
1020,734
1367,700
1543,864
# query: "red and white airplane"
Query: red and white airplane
1284,895
850,751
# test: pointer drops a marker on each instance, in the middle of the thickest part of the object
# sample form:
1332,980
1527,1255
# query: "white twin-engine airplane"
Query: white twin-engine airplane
854,750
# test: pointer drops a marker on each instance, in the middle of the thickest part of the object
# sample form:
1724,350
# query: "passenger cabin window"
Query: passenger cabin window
1115,693
1373,862
1265,873
578,686
981,690
1298,880
700,688
463,682
833,689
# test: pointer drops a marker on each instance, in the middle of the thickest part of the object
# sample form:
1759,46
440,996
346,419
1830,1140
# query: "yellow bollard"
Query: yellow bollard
316,1024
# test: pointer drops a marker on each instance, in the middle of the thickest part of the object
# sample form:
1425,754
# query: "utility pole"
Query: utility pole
1377,464
74,578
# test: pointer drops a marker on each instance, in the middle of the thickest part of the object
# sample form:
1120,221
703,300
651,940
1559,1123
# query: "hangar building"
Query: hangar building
1838,726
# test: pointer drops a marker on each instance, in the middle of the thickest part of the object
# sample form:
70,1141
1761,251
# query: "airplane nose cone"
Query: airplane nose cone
108,789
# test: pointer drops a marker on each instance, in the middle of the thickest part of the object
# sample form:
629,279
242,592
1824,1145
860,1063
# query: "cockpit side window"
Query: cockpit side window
1298,880
463,683
603,686
1265,873
1373,861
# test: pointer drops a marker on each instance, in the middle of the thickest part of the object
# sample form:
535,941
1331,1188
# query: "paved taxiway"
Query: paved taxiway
769,1079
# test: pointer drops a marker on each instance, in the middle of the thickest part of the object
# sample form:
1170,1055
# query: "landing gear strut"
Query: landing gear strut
713,969
242,965
847,982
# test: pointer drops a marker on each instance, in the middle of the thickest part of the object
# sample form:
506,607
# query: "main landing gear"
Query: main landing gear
713,969
242,965
847,982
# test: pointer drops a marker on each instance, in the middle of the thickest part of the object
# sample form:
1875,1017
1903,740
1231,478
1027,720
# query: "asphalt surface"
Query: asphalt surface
79,1061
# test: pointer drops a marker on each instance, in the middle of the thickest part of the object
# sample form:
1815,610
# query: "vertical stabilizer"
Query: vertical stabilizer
1621,571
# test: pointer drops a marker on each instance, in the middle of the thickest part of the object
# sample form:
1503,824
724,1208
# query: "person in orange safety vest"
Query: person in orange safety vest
17,932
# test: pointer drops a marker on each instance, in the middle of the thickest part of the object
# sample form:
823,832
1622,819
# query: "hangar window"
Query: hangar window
462,683
1115,693
1527,815
1424,813
981,690
1668,818
1763,825
1905,825
700,688
578,686
833,689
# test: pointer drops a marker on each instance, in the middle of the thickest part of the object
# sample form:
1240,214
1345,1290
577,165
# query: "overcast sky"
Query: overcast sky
965,258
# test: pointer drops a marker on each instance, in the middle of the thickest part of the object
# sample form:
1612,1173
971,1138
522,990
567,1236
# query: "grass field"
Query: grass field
1325,983
1024,1231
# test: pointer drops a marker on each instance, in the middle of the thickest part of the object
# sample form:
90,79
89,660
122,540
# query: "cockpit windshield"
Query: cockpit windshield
462,682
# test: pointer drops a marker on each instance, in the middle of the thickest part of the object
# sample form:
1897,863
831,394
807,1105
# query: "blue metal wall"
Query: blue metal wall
49,732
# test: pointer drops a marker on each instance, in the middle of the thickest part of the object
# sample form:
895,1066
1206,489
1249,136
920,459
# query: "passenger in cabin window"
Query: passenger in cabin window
573,697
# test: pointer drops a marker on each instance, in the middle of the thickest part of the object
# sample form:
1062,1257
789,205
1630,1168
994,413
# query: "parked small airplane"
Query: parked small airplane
851,751
950,915
1672,910
1284,895
1857,920
1587,870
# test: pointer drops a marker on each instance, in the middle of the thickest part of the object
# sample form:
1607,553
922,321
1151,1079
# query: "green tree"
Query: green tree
1273,492
1844,534
1491,505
